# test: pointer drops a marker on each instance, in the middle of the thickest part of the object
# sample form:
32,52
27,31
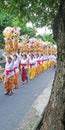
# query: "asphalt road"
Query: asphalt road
14,108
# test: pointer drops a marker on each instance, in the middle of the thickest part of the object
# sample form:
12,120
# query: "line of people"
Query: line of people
24,64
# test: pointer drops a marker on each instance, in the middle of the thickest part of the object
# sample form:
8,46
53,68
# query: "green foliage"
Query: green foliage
27,30
47,37
37,11
1,41
5,20
31,32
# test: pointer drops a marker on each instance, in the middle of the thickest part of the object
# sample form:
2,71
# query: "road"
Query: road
14,108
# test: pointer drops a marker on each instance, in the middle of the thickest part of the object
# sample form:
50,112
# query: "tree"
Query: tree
54,118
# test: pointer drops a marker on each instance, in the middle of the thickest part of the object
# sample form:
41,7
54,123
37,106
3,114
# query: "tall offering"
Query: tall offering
11,36
24,44
8,40
15,38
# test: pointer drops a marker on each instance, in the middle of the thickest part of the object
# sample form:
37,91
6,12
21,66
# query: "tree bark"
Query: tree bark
54,116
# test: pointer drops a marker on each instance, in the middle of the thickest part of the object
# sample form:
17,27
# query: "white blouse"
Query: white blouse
9,69
24,62
16,65
32,63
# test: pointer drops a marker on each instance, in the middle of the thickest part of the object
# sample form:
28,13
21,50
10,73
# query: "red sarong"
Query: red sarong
24,74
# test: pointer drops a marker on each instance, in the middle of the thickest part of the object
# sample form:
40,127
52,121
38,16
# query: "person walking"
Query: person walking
16,70
9,76
32,66
24,68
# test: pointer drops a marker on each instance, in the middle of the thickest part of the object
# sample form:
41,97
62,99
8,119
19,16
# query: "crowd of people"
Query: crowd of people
27,65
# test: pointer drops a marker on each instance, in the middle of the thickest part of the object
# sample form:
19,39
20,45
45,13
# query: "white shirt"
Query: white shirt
45,57
16,65
52,57
32,63
18,57
9,67
24,63
37,60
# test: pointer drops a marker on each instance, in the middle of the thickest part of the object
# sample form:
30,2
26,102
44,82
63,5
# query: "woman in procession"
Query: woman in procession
38,68
16,70
9,76
24,68
45,61
32,66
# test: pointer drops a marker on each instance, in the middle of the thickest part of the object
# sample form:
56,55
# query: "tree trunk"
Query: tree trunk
54,116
